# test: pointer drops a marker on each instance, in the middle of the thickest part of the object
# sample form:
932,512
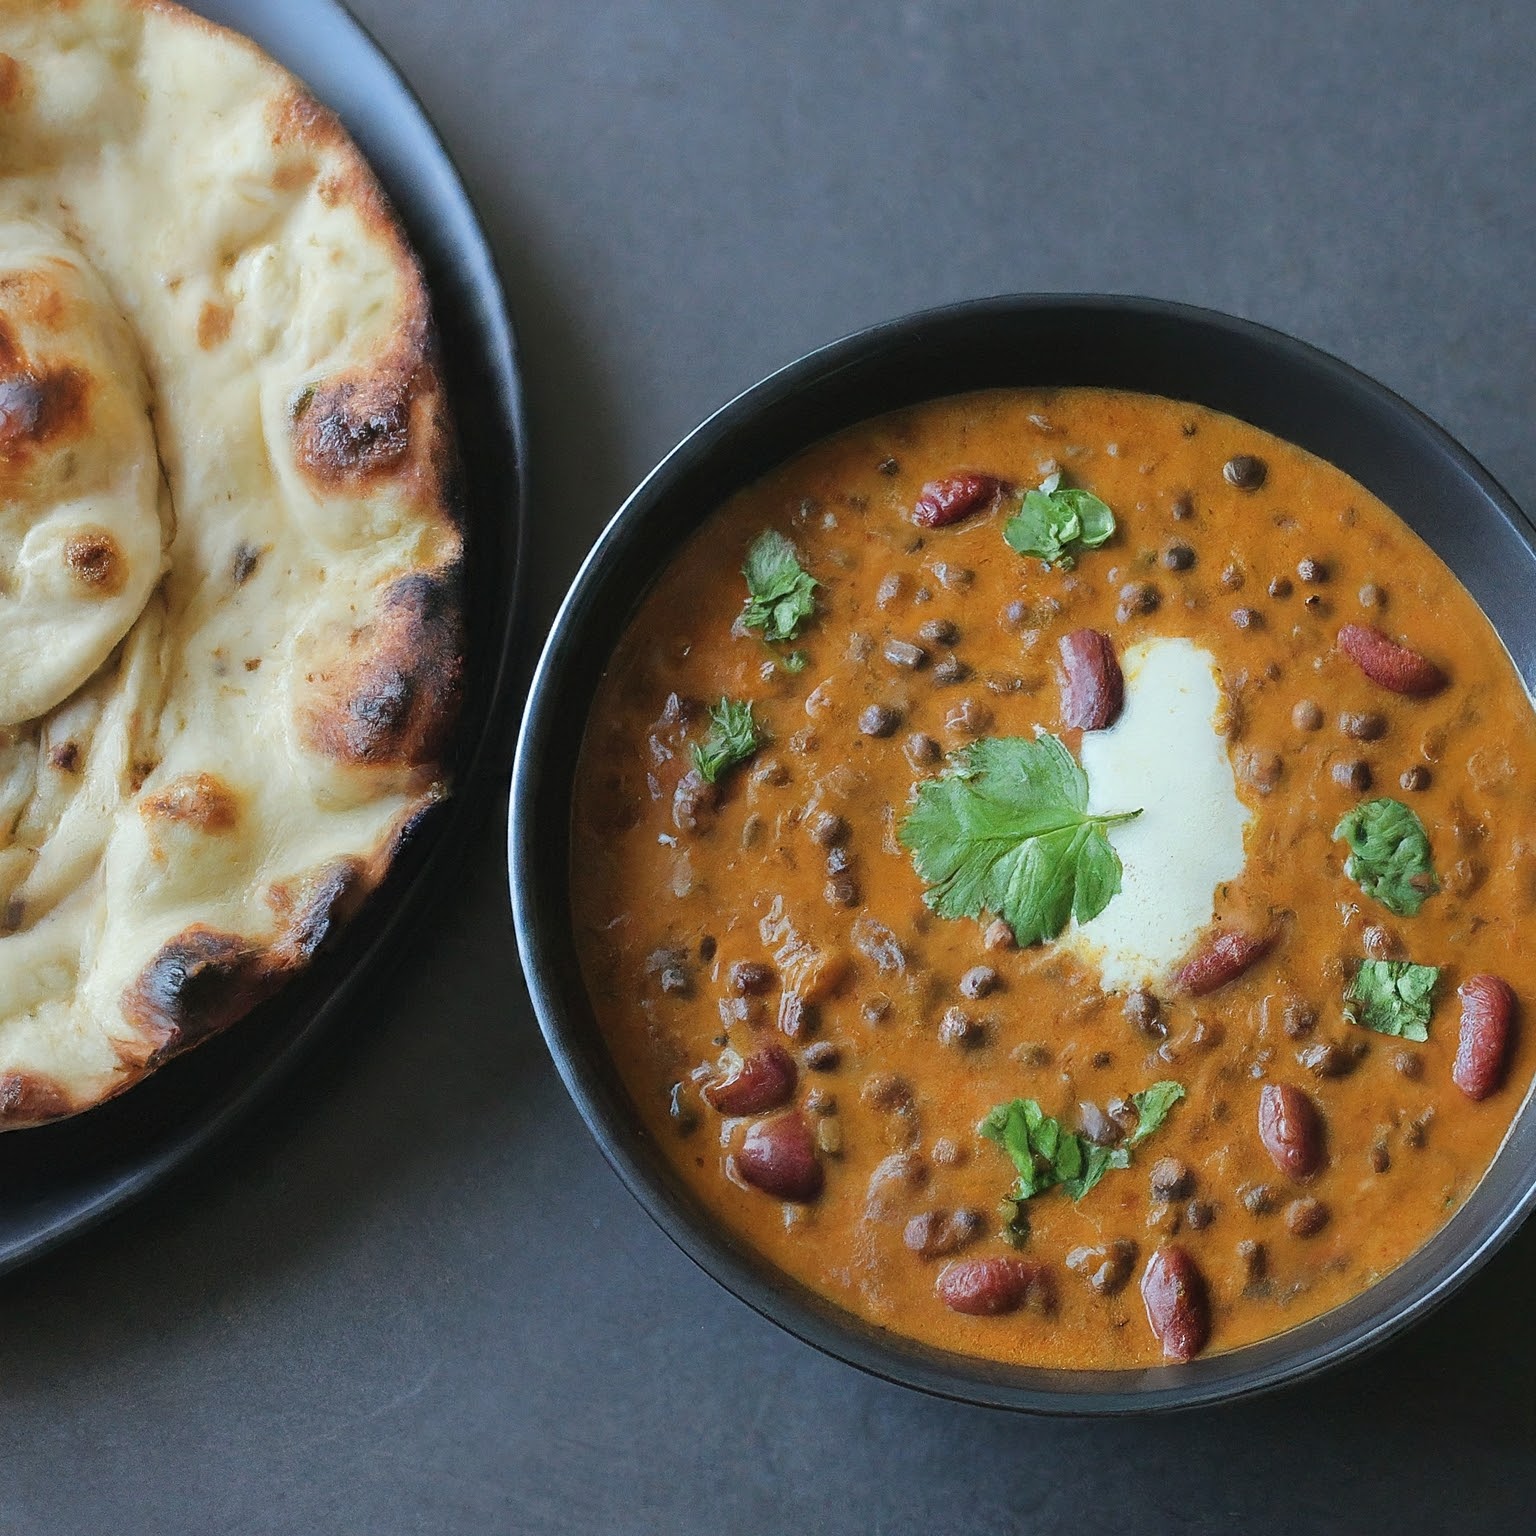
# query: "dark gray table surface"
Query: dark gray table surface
411,1297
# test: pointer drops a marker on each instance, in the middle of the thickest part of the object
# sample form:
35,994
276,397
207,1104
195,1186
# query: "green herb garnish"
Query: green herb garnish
1389,854
1152,1106
780,592
733,737
1005,830
1394,997
795,661
1054,521
1046,1155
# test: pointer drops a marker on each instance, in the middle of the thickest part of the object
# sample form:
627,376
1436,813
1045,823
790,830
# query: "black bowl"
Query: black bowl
1258,375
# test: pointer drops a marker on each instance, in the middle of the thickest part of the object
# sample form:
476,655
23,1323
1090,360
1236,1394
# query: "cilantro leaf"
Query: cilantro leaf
1029,1136
1053,522
1395,997
1005,829
1045,1155
779,591
1152,1106
1096,1162
733,737
1389,854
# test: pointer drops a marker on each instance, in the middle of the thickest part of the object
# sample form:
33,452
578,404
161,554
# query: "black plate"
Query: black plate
57,1180
1245,370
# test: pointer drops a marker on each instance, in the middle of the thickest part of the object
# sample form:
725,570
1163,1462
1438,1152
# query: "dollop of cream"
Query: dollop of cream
1166,756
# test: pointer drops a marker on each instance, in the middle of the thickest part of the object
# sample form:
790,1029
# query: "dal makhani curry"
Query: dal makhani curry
1048,864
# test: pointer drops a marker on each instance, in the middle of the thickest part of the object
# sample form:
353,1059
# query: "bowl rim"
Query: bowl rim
750,1277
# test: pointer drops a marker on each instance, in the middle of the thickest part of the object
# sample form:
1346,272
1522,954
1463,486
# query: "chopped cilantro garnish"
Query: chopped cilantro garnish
733,737
1389,854
1152,1106
1393,997
1054,522
780,593
1045,1155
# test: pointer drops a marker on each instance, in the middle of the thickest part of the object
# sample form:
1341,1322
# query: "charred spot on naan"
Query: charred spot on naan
39,406
244,562
354,428
213,325
65,757
200,800
391,696
385,418
198,983
204,979
312,908
383,422
32,296
28,1098
93,558
13,81
413,823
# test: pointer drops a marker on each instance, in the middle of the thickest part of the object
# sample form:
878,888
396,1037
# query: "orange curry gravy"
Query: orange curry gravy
664,911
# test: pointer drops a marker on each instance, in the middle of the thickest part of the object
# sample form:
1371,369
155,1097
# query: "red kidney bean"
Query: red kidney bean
1487,1021
946,501
1178,1305
779,1158
1221,959
1388,664
1093,688
1291,1130
764,1080
990,1287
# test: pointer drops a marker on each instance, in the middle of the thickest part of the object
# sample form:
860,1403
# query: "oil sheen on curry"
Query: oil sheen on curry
1048,867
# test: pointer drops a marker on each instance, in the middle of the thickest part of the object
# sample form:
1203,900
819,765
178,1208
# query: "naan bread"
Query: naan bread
230,641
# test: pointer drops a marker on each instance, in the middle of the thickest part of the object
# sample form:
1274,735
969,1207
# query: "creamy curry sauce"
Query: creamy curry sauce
752,917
